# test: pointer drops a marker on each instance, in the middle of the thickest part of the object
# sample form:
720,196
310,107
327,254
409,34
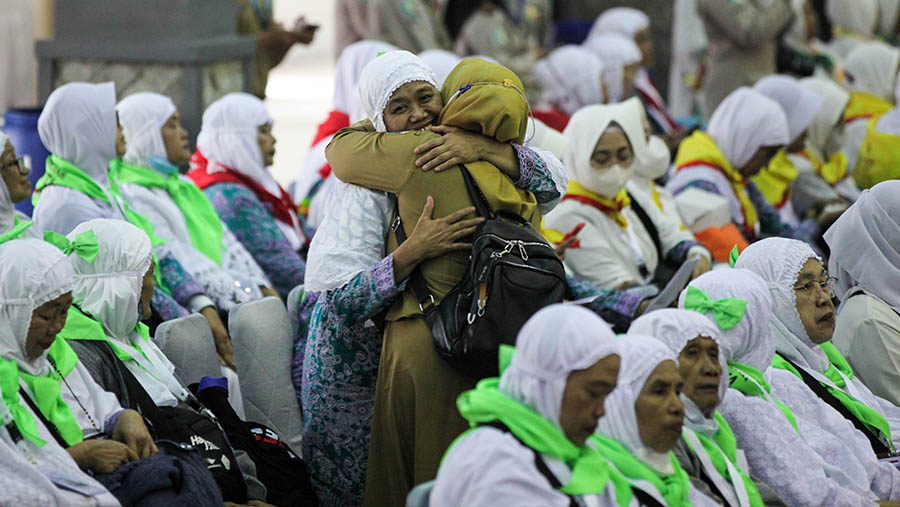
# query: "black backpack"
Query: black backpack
513,272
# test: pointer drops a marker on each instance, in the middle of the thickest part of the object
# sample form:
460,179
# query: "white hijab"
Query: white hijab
750,342
746,121
555,342
142,116
676,328
623,20
441,61
860,16
617,52
799,104
584,130
640,355
384,75
831,112
865,244
872,67
78,124
32,272
570,78
109,290
778,261
348,68
7,207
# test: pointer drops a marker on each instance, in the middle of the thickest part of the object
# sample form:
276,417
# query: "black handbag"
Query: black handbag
513,272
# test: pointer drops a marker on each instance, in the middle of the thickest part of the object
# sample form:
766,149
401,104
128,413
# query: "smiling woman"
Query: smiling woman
14,184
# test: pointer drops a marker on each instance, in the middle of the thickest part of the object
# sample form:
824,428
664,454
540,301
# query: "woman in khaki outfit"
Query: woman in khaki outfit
415,416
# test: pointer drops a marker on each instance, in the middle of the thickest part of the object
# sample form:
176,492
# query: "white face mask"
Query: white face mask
654,160
607,181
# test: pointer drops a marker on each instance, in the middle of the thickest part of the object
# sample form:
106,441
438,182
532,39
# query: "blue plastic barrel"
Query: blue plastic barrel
21,127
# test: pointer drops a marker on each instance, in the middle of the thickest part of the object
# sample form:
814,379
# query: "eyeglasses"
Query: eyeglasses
824,285
20,165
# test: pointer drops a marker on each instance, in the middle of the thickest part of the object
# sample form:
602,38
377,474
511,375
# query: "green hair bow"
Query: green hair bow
84,246
727,312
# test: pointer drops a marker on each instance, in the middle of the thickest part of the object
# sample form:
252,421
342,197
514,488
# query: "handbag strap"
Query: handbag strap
648,225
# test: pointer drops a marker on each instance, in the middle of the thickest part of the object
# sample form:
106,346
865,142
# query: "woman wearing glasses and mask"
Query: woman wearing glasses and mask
15,187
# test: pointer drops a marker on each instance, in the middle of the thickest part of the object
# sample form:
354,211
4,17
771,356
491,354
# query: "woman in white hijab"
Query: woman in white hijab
14,187
803,323
708,450
616,251
181,214
35,468
803,463
570,77
635,24
800,106
234,149
852,23
621,59
865,258
870,74
744,133
357,281
34,306
643,423
565,365
314,182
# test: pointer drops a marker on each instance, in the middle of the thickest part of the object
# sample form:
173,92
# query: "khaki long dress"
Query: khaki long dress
415,417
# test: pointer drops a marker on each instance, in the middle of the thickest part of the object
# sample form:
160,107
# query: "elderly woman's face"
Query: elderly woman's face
612,148
266,143
175,138
582,403
414,106
14,177
698,364
47,321
659,410
121,147
629,74
814,303
148,283
645,42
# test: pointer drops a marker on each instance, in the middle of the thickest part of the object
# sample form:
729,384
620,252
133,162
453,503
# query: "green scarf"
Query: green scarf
740,375
723,446
17,230
591,473
47,394
204,225
79,326
874,421
674,487
9,385
63,173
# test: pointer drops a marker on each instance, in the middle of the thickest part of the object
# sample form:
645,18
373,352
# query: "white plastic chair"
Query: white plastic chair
263,350
294,300
188,343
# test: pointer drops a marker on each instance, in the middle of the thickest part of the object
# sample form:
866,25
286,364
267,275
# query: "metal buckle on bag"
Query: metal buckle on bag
431,301
396,223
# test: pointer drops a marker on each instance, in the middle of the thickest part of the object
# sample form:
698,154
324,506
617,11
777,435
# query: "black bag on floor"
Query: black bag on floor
282,472
513,272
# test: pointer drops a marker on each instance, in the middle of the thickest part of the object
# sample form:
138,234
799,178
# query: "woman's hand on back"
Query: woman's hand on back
131,431
433,237
457,146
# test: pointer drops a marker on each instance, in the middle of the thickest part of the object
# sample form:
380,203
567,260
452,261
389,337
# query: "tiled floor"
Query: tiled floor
300,89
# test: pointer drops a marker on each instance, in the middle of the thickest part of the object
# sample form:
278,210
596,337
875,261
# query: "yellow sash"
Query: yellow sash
699,149
611,207
879,157
775,180
832,171
865,105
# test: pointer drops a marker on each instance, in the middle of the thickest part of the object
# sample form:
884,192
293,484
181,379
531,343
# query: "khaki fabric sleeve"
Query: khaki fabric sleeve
377,160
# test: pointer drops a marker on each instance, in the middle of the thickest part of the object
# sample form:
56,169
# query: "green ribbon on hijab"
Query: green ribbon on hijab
727,312
63,173
203,224
9,385
591,473
740,376
84,246
733,256
674,487
723,446
871,418
17,231
47,393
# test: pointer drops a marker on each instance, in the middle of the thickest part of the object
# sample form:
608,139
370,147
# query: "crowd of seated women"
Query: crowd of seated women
729,335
